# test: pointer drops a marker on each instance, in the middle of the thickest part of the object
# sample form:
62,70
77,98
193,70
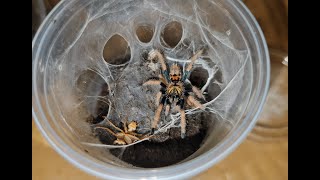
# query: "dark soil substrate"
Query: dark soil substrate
150,154
165,149
153,154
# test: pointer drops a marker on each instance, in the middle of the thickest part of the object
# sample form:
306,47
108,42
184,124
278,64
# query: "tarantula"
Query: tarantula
126,136
174,89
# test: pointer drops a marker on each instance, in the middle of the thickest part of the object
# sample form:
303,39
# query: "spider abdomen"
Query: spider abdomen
174,90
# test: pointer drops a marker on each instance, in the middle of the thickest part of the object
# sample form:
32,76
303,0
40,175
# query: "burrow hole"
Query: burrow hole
117,50
171,34
199,77
214,89
94,92
145,32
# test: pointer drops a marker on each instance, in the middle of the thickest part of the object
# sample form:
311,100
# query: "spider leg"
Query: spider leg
194,102
107,129
188,102
197,92
157,114
127,139
115,126
183,123
135,134
188,89
125,125
119,142
155,81
193,59
190,65
157,53
191,88
168,104
162,79
133,137
152,82
158,96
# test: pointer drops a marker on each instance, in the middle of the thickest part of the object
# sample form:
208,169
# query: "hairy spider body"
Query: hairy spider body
174,90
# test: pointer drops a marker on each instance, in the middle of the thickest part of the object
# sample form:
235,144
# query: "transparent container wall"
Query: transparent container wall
90,45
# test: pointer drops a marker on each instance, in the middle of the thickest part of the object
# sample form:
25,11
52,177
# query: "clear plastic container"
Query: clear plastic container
72,41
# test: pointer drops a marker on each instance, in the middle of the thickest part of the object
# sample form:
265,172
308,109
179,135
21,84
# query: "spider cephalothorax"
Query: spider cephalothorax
175,73
174,89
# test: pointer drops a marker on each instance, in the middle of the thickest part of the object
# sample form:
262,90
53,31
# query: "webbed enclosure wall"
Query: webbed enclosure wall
97,60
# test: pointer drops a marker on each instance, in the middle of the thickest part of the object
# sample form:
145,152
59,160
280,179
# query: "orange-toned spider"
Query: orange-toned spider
125,136
174,89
